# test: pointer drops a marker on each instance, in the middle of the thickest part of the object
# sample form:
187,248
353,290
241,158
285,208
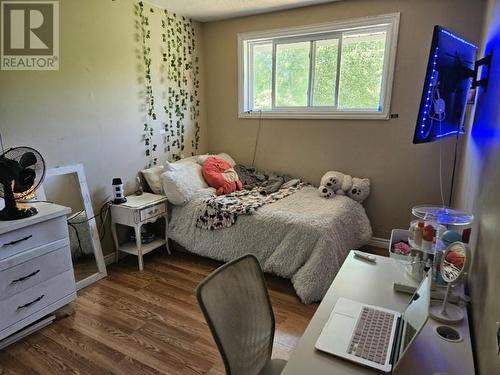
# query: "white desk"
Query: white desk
372,284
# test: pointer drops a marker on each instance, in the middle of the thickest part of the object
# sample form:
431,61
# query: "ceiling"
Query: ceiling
213,10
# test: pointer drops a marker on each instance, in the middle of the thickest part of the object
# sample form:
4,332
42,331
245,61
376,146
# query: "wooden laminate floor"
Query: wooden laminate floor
145,323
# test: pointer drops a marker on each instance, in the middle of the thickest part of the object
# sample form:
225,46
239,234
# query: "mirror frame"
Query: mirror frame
466,262
87,203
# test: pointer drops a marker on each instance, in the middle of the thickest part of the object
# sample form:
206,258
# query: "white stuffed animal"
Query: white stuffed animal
359,190
325,192
346,185
334,183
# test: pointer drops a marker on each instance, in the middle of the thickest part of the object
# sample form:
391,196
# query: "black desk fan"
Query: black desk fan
22,170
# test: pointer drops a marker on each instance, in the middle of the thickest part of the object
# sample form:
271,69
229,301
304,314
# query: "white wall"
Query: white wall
90,110
478,191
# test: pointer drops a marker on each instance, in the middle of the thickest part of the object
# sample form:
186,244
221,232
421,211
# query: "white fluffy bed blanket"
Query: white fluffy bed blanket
302,237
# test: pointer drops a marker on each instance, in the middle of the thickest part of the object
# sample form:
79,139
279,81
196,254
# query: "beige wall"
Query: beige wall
90,110
402,174
479,192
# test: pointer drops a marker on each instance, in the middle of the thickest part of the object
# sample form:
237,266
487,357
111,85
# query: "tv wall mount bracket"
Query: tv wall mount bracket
485,62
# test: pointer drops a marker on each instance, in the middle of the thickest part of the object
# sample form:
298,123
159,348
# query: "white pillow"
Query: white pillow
227,158
201,159
170,166
181,183
152,177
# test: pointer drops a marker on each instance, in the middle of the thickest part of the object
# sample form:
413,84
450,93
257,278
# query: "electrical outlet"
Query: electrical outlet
498,338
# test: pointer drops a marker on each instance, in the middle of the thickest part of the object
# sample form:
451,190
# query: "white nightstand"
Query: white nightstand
137,211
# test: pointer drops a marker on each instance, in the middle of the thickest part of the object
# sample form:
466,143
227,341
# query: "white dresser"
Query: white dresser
36,271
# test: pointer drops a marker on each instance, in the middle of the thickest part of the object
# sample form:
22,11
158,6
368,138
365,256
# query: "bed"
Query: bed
302,237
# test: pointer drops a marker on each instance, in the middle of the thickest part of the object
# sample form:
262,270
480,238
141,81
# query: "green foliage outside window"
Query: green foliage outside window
325,72
292,74
361,74
360,81
263,75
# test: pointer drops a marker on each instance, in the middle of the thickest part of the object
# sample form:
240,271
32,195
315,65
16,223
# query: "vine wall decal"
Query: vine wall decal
178,82
144,35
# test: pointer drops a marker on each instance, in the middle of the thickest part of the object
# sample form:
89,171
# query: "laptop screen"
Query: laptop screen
415,315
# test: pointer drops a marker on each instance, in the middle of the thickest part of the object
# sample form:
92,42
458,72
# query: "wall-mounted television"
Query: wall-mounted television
449,78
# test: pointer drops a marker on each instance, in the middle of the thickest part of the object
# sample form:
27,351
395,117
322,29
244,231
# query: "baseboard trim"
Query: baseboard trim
382,243
111,258
379,242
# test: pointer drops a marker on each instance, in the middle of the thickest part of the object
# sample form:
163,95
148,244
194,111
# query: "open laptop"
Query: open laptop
374,336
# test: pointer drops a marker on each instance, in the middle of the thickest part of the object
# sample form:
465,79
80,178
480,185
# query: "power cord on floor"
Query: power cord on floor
104,210
441,166
257,138
455,159
77,238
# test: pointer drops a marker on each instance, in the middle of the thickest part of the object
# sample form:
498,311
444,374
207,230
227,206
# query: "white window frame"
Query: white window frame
389,22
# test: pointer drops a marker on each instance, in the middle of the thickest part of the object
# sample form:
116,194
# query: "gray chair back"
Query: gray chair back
236,305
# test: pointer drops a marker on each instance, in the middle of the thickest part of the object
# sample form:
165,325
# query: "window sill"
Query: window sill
315,115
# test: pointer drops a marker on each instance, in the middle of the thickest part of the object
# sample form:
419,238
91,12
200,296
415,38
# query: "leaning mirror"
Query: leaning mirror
452,267
67,186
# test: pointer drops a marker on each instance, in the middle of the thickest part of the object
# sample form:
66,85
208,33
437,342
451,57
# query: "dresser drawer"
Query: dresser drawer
22,305
32,236
149,212
34,271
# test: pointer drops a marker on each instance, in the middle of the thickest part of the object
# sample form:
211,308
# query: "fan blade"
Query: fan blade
8,169
24,181
27,159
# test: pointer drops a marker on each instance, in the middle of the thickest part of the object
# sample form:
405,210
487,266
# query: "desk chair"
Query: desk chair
237,308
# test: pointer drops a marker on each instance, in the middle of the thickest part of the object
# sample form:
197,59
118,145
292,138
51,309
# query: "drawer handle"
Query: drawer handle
17,241
30,303
25,277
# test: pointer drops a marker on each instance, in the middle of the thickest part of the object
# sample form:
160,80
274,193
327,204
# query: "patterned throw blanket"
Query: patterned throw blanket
222,211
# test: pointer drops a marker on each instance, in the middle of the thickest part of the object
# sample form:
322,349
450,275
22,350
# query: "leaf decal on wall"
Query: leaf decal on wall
181,67
177,79
144,35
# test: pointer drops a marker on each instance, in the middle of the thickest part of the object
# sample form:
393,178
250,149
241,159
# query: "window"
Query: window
336,70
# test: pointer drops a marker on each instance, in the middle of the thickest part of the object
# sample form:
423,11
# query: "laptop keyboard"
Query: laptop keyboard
372,335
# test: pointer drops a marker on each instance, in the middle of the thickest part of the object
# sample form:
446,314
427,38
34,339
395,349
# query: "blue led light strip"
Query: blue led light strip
458,38
428,99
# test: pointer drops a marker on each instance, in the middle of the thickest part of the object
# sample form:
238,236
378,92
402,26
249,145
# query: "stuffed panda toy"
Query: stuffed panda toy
334,183
359,190
337,183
